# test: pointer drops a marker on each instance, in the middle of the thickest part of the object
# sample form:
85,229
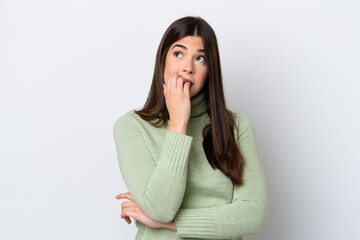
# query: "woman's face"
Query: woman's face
186,58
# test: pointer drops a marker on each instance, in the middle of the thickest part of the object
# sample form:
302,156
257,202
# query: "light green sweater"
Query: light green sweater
169,177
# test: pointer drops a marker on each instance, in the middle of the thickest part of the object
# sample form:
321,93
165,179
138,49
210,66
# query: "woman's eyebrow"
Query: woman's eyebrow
182,46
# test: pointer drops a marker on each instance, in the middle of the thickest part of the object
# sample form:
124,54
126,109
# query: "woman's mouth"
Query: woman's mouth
187,80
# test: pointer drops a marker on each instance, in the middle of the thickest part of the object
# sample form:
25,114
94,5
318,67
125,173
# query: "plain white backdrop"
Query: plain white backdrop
70,68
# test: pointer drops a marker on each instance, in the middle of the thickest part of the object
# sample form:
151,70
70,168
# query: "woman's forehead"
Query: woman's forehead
190,41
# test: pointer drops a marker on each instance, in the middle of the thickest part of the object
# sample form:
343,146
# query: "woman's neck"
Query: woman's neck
198,104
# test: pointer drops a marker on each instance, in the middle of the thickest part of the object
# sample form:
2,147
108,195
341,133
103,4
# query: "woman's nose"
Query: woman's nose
188,67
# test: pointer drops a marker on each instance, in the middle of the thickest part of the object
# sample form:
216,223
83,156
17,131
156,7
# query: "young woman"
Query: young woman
191,165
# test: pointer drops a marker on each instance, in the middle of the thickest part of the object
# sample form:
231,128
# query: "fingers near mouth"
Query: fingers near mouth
188,82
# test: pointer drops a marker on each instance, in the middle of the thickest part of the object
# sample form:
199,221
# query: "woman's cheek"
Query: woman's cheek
166,77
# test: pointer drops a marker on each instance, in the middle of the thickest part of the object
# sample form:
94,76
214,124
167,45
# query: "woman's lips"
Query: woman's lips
187,80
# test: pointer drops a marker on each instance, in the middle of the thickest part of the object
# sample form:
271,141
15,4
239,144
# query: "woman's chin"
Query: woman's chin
193,93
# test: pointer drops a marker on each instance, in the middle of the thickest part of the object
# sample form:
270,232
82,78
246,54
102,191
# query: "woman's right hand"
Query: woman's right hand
177,97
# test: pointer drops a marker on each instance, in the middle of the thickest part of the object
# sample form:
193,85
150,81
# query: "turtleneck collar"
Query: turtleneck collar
198,104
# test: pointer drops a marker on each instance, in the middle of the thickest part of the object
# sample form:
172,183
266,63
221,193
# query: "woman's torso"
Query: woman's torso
205,187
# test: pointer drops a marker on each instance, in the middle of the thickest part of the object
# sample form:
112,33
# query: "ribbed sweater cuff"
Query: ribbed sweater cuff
175,152
198,223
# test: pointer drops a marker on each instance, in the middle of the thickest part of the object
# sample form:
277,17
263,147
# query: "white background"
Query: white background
70,68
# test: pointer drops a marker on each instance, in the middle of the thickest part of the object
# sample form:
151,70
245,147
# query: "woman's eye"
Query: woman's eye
178,54
200,59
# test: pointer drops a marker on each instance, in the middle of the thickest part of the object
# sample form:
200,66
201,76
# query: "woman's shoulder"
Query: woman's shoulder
130,119
243,122
125,120
241,118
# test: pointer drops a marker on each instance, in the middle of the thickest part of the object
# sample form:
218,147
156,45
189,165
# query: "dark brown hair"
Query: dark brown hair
219,141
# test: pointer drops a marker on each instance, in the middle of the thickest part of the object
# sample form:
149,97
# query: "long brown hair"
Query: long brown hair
219,141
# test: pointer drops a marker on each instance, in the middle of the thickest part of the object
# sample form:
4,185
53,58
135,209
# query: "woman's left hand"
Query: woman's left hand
131,209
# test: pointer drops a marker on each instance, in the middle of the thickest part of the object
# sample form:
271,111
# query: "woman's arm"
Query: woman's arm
132,209
157,186
247,212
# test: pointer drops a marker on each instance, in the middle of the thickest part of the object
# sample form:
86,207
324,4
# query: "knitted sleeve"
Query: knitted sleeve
158,186
247,212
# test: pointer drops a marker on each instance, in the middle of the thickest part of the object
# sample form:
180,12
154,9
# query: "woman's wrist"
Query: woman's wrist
170,225
178,129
